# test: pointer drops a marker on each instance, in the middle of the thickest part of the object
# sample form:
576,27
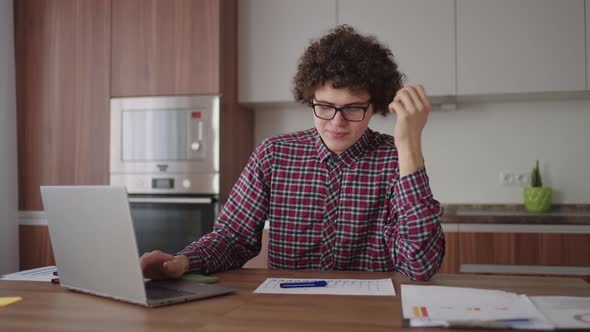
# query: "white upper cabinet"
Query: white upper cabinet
272,37
520,46
420,33
587,44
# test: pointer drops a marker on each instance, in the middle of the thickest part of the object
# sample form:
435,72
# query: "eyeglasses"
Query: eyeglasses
349,113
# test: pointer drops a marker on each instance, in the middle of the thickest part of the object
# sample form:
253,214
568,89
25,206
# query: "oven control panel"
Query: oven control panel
169,184
162,183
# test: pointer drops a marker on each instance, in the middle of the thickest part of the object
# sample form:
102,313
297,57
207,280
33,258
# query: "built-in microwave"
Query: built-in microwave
165,151
166,144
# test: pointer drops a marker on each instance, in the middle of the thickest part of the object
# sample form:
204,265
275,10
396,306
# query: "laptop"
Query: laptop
96,252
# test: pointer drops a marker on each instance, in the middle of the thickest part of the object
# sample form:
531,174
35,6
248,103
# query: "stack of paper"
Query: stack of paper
39,274
439,306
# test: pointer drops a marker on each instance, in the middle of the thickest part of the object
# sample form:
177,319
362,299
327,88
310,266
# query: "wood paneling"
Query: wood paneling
62,75
165,47
525,249
451,261
34,247
237,131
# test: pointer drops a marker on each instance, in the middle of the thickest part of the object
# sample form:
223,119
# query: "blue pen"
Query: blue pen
514,320
319,283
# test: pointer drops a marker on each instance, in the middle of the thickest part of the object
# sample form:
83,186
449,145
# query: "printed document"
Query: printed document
376,287
40,274
564,311
439,306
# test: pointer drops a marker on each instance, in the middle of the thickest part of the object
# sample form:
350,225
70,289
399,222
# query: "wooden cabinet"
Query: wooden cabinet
272,37
420,33
62,85
520,46
549,249
451,261
34,247
69,63
184,47
165,47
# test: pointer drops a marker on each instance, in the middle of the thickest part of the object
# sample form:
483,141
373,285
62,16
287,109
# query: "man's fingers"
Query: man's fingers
410,97
154,259
407,102
173,268
416,99
398,108
422,93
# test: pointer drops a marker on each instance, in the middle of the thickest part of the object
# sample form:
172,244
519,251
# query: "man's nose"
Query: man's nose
339,119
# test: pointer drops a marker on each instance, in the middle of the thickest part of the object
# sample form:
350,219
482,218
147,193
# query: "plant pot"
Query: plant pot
537,199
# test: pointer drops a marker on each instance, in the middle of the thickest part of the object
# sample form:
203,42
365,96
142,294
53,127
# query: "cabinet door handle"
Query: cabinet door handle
175,200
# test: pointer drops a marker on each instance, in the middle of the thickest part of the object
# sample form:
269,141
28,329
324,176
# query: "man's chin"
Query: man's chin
338,147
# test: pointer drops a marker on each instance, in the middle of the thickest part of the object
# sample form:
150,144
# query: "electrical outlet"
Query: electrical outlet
511,178
523,179
506,178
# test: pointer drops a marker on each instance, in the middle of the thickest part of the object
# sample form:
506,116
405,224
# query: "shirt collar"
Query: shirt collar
350,155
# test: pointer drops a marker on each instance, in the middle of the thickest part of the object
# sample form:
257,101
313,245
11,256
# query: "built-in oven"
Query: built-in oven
168,223
165,151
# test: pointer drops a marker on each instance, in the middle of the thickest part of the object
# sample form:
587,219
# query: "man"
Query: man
338,196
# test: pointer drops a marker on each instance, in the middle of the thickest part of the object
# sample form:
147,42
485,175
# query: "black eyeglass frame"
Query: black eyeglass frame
339,109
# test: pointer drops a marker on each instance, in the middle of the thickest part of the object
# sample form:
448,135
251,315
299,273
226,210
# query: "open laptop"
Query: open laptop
95,249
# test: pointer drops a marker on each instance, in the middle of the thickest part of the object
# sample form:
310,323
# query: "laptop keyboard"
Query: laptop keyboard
158,293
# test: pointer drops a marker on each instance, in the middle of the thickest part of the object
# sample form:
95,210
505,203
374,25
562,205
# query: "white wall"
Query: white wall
8,156
466,149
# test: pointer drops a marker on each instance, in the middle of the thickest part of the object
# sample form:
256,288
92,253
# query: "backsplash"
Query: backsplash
466,149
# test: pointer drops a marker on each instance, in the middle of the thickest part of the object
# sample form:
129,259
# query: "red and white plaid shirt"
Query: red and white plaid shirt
327,211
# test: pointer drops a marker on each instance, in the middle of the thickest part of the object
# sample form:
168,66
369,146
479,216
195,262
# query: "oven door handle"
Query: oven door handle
172,200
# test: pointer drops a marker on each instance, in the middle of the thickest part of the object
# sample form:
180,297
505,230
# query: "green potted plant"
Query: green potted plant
536,197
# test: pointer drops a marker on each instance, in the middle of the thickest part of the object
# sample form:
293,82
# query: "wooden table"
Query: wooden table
49,307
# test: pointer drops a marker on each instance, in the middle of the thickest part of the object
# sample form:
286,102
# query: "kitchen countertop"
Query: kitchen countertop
565,214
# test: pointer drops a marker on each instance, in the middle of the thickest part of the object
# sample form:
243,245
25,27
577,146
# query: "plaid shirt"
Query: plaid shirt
327,211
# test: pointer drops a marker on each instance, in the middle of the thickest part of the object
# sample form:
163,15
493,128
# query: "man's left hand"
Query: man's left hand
411,106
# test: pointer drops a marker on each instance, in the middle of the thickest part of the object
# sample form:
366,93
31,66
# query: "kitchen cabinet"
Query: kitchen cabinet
454,48
420,33
165,47
184,47
34,247
69,63
551,249
62,76
62,86
520,46
587,6
450,262
272,37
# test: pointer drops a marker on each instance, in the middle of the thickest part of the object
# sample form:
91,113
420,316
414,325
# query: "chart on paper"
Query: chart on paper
374,287
565,312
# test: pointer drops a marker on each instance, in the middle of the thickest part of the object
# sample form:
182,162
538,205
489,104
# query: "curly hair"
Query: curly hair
348,60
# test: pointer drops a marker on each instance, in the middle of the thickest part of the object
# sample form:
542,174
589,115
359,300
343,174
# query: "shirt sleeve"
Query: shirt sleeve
237,233
414,233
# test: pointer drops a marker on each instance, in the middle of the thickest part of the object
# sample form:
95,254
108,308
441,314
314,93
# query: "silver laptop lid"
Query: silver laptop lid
93,240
